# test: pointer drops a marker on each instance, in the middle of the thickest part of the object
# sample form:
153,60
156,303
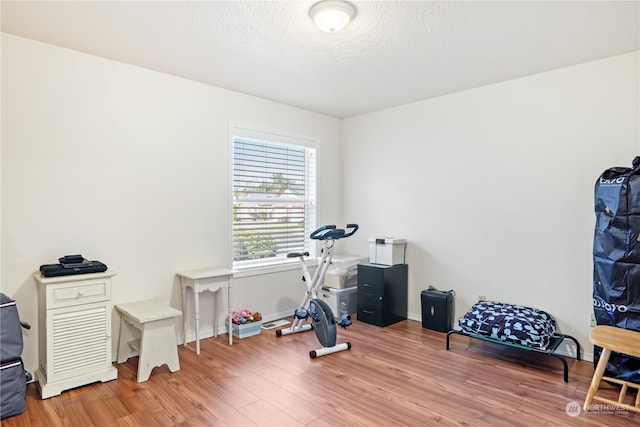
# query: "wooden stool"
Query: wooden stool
148,327
620,340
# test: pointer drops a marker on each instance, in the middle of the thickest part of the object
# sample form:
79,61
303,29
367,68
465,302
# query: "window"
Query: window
274,189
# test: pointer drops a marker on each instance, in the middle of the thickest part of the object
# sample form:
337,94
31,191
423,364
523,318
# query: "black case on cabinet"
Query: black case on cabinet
437,310
382,293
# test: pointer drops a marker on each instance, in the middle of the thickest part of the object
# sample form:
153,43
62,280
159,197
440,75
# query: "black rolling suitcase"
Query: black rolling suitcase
13,377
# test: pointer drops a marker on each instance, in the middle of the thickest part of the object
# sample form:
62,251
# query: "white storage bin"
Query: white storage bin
387,251
340,301
345,261
340,279
343,271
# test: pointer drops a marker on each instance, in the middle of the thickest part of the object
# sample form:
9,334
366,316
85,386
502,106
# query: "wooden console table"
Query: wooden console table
207,279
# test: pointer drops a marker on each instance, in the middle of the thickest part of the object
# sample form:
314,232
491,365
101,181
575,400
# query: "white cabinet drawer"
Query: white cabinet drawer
82,292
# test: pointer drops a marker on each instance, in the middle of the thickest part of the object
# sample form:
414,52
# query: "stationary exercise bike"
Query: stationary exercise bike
322,318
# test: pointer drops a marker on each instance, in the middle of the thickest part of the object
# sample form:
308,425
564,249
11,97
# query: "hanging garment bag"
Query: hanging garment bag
616,260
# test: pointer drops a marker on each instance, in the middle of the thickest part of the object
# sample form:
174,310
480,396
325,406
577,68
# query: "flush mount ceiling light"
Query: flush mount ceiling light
332,15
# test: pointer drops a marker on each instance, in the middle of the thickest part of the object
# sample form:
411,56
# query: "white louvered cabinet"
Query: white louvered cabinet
74,331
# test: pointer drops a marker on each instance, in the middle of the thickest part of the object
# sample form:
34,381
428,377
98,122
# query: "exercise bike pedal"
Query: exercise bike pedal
301,314
345,320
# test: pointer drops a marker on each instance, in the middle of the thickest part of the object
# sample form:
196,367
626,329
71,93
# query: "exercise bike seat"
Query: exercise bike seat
297,254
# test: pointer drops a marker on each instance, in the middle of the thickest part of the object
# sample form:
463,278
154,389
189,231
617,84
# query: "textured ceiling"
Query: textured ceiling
392,53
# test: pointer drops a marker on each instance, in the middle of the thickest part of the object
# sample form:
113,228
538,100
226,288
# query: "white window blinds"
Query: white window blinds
273,199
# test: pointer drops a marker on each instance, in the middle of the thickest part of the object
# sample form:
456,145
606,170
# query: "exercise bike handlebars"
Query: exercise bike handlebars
330,232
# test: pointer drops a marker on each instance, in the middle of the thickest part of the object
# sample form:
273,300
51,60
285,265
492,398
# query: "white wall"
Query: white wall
493,187
131,167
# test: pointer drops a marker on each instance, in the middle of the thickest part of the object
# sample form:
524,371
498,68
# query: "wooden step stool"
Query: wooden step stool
620,340
148,327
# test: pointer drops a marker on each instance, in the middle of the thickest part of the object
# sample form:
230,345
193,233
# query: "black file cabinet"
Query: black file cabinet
382,293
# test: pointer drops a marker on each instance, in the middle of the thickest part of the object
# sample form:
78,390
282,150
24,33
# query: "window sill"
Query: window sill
256,270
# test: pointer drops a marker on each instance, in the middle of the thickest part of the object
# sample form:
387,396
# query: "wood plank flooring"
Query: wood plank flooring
395,376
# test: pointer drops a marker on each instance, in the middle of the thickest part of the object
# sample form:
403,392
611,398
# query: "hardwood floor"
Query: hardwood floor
395,376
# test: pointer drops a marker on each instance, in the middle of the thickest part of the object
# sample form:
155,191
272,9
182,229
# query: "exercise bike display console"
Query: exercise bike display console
322,318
